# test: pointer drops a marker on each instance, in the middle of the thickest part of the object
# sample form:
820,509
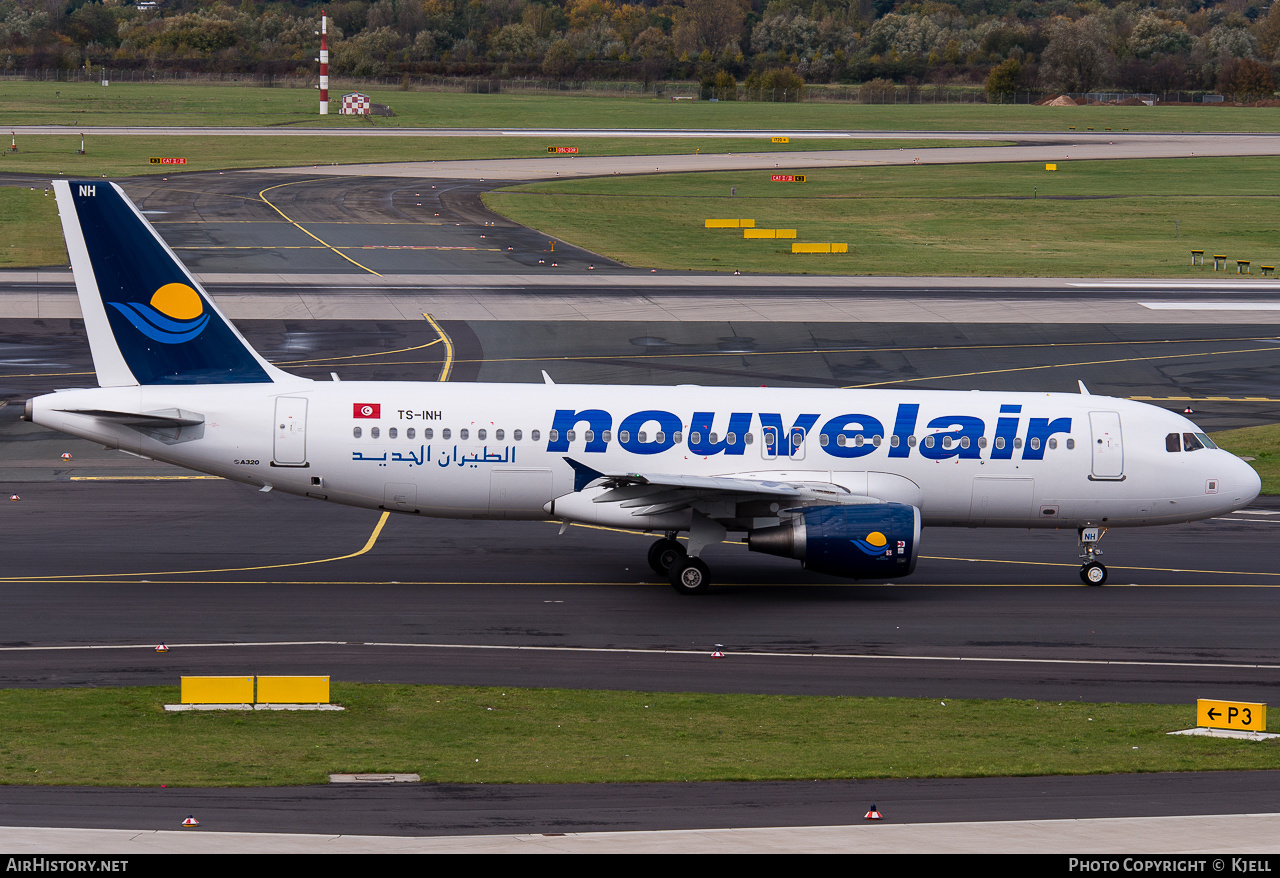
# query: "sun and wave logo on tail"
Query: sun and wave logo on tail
175,314
875,543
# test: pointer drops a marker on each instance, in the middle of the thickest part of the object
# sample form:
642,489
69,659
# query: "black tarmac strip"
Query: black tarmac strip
508,809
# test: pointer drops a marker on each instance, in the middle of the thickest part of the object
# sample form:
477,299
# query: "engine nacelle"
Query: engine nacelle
872,541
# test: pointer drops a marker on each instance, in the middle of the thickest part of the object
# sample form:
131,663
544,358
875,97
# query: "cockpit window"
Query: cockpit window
1208,443
1190,442
1173,442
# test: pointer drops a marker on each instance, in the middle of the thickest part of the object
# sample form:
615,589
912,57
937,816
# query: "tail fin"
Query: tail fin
149,321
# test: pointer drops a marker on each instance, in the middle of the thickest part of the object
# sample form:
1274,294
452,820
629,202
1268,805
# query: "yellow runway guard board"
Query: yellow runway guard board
768,233
293,690
819,248
729,224
217,690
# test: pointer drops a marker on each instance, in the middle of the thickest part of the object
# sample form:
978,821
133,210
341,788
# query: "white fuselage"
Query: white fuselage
500,450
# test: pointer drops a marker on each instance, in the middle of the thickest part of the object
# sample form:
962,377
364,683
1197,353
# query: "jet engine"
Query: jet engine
871,541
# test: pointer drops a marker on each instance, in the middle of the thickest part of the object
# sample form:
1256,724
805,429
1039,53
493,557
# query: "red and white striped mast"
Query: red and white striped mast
324,63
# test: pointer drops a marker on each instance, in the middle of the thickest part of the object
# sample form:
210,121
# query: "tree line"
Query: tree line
769,46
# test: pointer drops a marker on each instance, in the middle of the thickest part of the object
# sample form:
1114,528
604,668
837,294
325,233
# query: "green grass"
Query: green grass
129,155
122,736
171,104
1087,219
29,229
1260,443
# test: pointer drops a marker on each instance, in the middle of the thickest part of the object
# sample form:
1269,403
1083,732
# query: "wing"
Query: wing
724,498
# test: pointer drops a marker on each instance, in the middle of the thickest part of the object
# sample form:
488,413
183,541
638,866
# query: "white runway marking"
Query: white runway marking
706,653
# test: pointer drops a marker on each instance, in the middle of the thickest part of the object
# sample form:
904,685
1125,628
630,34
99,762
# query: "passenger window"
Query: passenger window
516,435
1071,443
373,432
410,433
554,435
464,434
608,435
356,432
624,436
999,442
445,433
534,435
499,434
1172,442
391,434
480,434
428,433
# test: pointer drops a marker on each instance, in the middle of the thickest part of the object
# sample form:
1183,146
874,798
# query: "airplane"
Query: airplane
841,480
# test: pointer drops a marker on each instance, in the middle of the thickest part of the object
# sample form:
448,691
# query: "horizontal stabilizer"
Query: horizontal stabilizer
162,418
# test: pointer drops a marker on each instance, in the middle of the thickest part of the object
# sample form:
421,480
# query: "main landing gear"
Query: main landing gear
669,559
1091,572
686,572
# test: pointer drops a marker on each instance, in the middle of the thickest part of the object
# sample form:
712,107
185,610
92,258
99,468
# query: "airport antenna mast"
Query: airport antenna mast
324,63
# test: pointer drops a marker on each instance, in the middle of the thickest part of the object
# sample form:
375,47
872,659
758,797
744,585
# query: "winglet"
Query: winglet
546,379
1084,391
583,475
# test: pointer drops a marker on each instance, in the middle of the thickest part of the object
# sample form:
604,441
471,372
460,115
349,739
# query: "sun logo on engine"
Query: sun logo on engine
875,543
175,314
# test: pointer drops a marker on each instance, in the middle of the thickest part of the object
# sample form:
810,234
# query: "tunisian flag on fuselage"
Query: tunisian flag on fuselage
366,410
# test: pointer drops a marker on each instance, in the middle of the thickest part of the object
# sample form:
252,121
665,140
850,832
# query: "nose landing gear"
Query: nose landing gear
1091,572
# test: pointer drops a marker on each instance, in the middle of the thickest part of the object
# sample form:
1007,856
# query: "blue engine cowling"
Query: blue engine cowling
872,541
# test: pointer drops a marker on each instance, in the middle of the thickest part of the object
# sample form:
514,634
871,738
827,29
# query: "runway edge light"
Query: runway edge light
873,814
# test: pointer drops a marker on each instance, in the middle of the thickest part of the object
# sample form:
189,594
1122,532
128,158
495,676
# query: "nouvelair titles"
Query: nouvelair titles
846,436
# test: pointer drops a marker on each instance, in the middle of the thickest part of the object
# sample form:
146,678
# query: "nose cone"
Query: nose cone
1242,483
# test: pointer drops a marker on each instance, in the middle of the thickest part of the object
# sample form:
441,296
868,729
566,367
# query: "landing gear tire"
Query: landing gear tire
690,576
663,555
1093,573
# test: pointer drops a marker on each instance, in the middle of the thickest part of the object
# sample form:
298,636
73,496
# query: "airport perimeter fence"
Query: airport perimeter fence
865,93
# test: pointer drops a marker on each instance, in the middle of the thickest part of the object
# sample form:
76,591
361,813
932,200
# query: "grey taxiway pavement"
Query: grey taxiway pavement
460,602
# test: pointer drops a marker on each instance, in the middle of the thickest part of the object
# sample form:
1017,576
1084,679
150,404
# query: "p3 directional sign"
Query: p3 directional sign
1244,716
